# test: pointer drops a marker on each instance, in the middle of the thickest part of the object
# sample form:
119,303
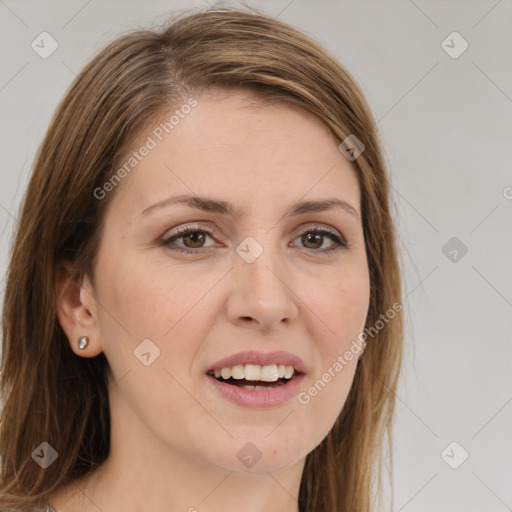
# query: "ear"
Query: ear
77,310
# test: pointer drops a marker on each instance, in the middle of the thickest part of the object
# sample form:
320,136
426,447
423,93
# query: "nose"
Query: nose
263,292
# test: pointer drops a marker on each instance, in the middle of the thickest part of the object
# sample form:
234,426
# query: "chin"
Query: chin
258,453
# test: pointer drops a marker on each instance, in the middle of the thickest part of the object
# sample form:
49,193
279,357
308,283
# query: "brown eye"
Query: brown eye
192,237
313,239
196,238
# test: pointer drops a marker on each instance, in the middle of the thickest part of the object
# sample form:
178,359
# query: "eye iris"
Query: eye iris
196,237
307,238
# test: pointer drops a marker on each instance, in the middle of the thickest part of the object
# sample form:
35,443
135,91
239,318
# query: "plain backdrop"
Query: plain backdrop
445,115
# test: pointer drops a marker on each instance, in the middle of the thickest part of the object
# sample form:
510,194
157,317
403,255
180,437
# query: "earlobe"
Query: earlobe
76,313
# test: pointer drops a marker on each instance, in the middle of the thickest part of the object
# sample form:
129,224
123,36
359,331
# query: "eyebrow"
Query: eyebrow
210,205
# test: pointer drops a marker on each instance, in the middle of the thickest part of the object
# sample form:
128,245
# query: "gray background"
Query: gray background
446,125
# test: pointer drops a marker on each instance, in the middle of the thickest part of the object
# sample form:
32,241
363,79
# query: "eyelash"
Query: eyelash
339,243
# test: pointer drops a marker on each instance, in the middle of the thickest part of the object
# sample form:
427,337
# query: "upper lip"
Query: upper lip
262,359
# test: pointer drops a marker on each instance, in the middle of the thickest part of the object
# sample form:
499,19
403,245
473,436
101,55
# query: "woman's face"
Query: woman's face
252,284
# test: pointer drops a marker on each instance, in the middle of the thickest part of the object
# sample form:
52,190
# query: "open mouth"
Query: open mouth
249,384
254,377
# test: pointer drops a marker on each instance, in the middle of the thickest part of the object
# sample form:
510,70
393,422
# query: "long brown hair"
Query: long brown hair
51,395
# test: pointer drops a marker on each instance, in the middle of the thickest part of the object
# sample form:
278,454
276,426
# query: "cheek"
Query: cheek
338,307
322,400
149,301
161,305
164,303
338,314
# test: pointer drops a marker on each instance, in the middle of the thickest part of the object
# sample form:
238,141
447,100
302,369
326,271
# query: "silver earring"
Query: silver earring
83,341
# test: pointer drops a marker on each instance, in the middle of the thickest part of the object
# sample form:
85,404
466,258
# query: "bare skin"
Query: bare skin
174,438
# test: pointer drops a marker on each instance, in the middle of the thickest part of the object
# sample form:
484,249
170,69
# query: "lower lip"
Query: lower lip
270,397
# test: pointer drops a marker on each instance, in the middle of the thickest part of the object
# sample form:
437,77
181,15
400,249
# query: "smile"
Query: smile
255,379
253,376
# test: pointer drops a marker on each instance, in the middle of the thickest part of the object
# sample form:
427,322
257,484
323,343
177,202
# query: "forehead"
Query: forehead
232,145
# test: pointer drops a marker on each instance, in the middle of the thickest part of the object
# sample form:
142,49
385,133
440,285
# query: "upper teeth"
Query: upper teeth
267,373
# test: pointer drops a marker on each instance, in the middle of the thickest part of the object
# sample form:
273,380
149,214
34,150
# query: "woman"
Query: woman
205,249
